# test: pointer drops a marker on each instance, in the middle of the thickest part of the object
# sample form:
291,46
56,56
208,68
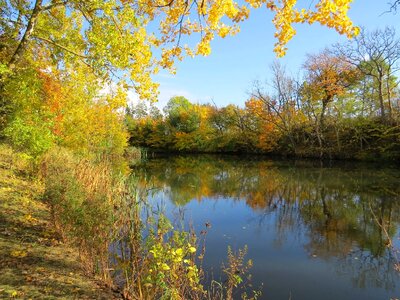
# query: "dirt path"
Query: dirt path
34,264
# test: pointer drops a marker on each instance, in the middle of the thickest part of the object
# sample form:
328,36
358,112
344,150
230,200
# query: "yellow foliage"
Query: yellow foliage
112,35
212,16
19,253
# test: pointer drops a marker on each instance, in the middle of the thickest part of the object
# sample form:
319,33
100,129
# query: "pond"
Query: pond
314,230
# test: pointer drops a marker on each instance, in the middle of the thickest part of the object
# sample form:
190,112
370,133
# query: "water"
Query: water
312,229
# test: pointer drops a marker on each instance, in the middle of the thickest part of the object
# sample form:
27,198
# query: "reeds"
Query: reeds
121,238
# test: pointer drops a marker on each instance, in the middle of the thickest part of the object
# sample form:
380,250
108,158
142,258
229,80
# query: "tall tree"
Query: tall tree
279,106
326,77
376,54
182,115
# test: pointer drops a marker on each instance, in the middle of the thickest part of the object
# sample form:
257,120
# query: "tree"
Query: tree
155,113
326,77
111,36
46,113
377,55
246,128
394,5
137,111
182,115
279,107
106,36
221,121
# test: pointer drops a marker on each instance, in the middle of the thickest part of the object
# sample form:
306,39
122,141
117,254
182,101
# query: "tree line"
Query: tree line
345,105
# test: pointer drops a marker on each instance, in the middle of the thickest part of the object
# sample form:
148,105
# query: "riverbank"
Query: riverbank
259,131
34,262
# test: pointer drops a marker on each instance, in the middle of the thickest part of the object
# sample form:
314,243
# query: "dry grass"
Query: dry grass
34,263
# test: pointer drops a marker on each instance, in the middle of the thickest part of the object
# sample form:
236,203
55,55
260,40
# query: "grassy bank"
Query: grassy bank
99,216
34,263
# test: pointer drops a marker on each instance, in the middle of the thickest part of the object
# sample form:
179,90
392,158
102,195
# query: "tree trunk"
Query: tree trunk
319,137
380,94
25,38
324,106
388,90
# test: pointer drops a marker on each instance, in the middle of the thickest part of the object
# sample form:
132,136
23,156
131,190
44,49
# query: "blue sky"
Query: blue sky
226,76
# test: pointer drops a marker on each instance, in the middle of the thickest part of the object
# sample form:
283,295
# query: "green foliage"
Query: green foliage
195,128
34,139
181,115
4,70
26,120
171,271
236,272
236,268
44,108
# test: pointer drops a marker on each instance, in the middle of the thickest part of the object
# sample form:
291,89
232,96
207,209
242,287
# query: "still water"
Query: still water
312,229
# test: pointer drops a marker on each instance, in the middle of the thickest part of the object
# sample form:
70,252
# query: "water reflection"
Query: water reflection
344,215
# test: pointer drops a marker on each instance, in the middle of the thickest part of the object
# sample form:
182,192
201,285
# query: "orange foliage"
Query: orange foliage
53,97
328,76
268,131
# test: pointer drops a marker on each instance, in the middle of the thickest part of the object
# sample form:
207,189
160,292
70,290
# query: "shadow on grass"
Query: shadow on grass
34,264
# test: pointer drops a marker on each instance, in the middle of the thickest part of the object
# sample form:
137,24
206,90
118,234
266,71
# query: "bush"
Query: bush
100,212
34,139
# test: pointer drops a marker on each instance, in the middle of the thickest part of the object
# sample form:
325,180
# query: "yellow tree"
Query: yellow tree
110,41
113,35
278,108
268,131
92,119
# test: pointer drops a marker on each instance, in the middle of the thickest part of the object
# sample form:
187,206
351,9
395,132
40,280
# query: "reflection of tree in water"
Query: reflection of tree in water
337,209
348,233
369,270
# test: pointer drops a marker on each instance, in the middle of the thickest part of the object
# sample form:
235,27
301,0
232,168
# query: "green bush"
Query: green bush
34,138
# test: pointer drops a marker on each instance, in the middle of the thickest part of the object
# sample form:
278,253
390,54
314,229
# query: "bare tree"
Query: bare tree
281,102
394,5
376,54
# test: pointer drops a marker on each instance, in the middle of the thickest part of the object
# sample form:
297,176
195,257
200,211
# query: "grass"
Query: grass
34,262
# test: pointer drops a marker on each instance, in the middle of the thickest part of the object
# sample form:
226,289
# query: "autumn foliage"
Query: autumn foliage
337,109
128,41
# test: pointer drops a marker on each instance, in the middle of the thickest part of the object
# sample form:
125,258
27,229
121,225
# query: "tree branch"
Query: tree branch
60,46
50,6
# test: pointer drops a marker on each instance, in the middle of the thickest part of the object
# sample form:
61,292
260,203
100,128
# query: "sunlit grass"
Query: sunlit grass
34,263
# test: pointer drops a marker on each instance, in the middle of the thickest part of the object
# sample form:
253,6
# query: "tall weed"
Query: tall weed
121,238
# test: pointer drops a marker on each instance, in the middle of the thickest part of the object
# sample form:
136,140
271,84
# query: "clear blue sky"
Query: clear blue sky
226,75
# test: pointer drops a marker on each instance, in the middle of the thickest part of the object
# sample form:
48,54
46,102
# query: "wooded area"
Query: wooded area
346,105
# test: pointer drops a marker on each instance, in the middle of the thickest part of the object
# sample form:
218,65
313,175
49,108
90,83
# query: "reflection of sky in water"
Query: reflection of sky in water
306,249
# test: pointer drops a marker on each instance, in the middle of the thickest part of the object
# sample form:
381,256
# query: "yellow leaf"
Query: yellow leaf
19,253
